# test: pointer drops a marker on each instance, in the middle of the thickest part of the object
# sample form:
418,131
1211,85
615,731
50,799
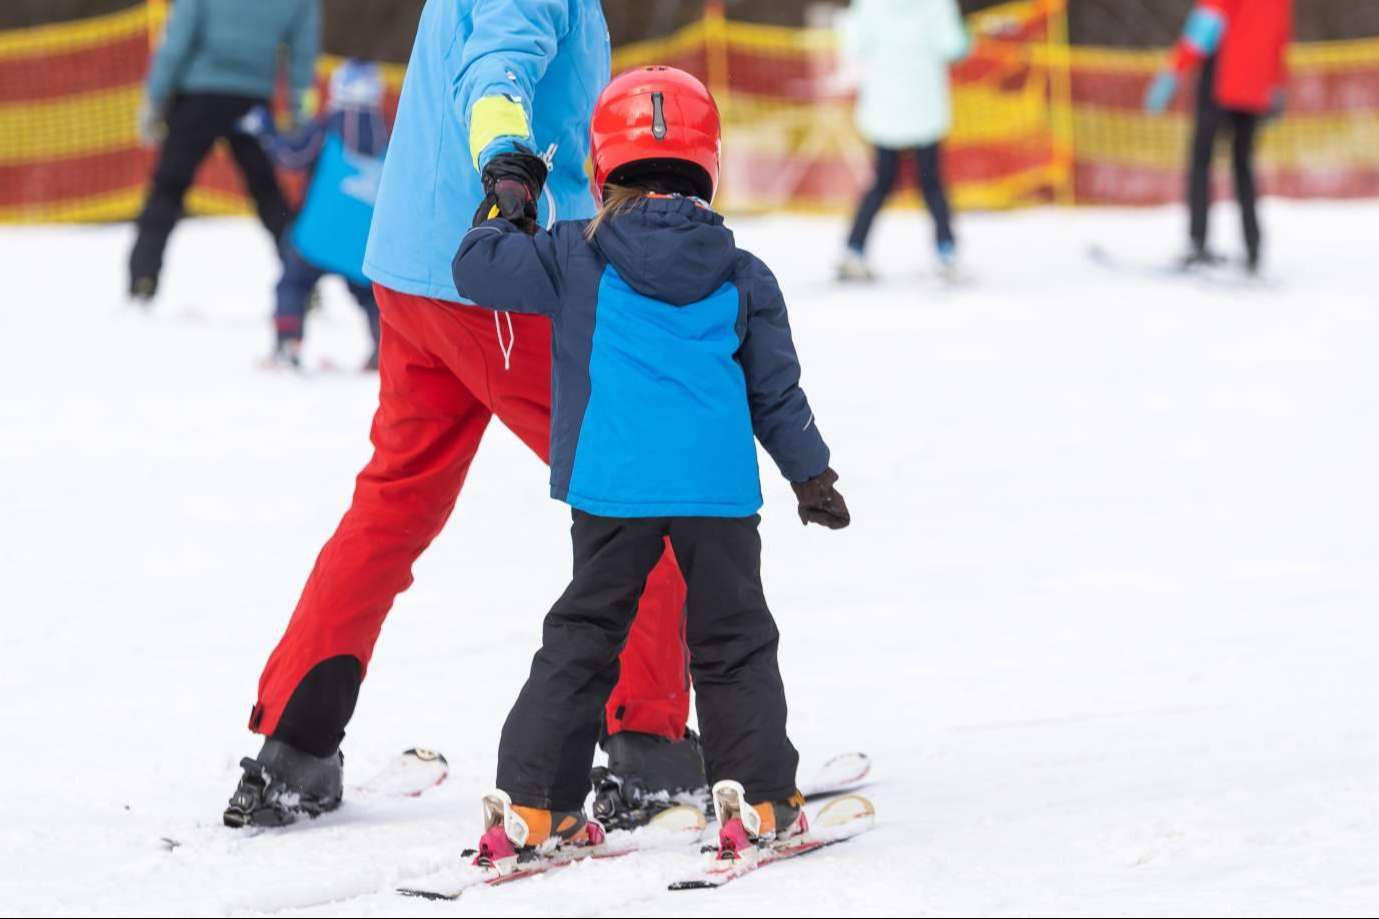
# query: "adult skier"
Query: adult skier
903,49
488,82
218,60
1241,46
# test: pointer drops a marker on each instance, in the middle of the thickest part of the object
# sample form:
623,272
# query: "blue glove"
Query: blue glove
1160,91
256,122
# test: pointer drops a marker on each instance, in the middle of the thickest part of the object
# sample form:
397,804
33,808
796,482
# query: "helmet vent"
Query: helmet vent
658,116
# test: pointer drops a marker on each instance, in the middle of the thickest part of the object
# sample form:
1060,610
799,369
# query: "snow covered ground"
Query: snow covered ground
1106,617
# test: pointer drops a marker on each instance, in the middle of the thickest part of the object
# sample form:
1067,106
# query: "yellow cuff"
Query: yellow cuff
492,117
308,104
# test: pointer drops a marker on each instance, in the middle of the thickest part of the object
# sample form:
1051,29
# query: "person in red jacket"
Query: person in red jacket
1241,46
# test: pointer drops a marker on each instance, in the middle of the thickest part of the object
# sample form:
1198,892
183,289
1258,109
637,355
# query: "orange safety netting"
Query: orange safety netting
1035,118
68,146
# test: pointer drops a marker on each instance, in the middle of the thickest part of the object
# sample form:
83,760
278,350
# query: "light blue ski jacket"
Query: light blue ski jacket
484,76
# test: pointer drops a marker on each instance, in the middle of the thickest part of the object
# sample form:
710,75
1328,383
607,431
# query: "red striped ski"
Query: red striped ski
672,827
838,821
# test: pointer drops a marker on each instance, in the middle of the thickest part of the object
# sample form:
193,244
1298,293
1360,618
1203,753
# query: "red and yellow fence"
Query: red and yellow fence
69,150
1327,145
1035,119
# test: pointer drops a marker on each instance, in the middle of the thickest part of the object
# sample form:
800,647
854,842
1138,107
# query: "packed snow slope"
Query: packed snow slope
1105,617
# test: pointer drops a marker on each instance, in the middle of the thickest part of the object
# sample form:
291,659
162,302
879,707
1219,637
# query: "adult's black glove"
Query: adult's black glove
821,503
512,182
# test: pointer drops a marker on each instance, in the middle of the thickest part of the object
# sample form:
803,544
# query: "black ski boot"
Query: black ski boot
283,783
645,775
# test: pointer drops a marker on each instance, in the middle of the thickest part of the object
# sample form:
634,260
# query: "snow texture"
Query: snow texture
1105,618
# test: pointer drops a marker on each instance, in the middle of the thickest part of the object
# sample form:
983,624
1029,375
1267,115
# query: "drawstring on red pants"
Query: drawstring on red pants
512,338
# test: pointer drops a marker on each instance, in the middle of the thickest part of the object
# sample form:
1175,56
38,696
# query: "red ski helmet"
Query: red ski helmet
656,118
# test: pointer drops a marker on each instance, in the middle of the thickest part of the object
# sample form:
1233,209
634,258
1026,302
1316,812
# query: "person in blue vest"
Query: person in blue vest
343,150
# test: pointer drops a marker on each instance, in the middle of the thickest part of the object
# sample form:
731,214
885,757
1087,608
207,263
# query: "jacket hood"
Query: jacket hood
671,249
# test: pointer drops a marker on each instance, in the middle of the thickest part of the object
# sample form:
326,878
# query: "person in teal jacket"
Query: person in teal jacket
219,59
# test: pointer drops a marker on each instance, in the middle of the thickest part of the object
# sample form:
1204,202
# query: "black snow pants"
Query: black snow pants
547,746
1210,120
928,158
195,122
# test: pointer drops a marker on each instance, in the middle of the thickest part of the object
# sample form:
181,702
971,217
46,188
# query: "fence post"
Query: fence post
1061,103
716,75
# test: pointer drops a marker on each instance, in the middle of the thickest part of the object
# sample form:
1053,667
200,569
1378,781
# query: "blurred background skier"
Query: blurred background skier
901,51
488,83
1241,46
218,60
343,149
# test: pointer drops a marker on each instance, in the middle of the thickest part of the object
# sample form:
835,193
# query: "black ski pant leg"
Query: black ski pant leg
192,129
929,159
314,719
259,179
1205,127
733,642
1244,126
548,740
887,166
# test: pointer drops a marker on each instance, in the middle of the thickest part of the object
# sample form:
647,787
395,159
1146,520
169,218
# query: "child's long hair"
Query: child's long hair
617,199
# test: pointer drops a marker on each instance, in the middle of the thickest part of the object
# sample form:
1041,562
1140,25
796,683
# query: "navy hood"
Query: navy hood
669,249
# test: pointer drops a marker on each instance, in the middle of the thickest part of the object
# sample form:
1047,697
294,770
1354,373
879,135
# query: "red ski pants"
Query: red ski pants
442,377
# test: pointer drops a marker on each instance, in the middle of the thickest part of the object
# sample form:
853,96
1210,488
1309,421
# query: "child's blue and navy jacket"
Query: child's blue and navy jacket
671,349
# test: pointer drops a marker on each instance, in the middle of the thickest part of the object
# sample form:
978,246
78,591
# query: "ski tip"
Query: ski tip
692,885
850,805
862,760
425,894
680,818
426,755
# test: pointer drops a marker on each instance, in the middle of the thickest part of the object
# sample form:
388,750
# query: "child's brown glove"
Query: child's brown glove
820,502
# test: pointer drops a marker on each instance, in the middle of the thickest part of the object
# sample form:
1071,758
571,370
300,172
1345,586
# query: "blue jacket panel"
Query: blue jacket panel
552,56
672,348
342,150
231,46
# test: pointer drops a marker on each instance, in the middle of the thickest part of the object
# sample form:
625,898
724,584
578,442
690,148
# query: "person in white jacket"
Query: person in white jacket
901,50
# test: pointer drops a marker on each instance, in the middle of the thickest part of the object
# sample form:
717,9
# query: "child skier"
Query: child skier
1241,45
672,347
343,150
